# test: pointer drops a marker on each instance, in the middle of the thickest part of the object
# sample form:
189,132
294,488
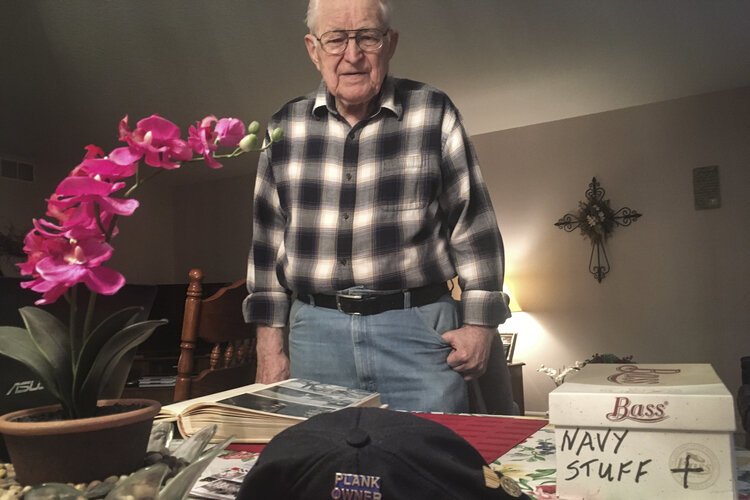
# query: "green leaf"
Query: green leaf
119,377
107,359
180,485
53,341
100,336
16,343
541,473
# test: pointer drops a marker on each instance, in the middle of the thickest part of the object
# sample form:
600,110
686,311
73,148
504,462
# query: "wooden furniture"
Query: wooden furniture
217,320
516,383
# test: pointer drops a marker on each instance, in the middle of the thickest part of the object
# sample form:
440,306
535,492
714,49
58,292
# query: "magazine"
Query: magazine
222,479
256,413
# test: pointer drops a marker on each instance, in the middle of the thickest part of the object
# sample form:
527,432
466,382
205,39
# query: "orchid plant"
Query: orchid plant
68,249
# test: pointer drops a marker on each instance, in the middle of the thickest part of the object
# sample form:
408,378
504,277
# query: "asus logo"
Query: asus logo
648,413
24,387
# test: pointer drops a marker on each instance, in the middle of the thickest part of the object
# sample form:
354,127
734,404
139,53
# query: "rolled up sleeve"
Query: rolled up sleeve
475,242
268,300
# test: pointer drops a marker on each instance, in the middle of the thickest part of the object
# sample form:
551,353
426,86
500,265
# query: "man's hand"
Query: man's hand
471,349
273,363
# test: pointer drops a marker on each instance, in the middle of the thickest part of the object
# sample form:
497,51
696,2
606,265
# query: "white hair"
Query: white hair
312,14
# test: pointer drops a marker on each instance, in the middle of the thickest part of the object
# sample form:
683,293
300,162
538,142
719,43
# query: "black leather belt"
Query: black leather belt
366,304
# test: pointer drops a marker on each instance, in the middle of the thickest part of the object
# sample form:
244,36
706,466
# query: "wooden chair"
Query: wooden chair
217,320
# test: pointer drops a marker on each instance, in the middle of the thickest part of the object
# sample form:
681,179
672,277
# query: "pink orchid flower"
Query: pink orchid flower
69,245
92,151
55,210
51,291
35,245
76,262
202,140
81,227
75,190
121,163
157,140
230,131
74,219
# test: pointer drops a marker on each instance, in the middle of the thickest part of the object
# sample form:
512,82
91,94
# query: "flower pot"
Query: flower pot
78,450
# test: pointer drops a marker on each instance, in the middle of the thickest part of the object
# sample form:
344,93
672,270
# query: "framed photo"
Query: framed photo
509,345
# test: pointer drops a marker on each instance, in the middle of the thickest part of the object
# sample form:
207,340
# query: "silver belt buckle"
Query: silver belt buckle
347,296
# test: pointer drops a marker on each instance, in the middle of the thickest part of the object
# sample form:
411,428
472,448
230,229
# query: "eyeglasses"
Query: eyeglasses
368,40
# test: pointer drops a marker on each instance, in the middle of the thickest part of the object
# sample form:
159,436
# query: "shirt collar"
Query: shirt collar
388,100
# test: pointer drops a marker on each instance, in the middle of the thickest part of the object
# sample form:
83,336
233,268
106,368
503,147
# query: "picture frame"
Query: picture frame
509,345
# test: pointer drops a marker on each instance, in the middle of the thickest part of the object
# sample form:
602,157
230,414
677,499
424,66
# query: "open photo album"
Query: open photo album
256,413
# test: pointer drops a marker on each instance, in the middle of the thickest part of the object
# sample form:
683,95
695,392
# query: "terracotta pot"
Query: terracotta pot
78,450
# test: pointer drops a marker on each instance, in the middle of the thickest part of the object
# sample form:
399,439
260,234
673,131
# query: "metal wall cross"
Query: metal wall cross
596,221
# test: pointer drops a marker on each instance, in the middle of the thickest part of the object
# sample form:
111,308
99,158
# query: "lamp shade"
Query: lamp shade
513,304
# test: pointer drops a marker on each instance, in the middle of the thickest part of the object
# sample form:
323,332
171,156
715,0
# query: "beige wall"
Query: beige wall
176,228
214,229
678,286
145,246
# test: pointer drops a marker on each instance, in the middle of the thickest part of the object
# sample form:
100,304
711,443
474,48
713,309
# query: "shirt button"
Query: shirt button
346,216
342,262
352,136
348,177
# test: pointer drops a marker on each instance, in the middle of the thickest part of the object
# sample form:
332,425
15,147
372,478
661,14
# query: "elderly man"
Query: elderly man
370,203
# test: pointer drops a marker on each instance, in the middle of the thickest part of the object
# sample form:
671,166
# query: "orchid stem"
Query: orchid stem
89,315
75,343
239,152
140,181
99,223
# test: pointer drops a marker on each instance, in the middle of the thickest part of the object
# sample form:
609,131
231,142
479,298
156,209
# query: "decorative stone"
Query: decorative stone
131,486
99,490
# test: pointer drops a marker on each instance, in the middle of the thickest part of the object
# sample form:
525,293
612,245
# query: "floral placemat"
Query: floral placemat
532,464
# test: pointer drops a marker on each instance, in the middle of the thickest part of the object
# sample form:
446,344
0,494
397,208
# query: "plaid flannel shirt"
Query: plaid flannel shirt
395,202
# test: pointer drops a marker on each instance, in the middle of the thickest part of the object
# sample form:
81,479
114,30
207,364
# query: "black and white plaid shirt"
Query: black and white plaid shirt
395,202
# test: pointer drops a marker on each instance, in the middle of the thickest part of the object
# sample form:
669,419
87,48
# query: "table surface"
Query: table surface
532,464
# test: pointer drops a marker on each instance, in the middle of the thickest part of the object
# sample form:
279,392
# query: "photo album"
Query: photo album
256,413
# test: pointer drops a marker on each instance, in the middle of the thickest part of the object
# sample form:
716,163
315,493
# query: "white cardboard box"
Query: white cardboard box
644,431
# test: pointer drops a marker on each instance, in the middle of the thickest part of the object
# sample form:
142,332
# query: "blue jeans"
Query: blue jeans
398,353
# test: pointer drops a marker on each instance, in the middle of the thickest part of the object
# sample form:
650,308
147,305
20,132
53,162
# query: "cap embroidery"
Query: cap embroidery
490,478
494,480
510,486
351,486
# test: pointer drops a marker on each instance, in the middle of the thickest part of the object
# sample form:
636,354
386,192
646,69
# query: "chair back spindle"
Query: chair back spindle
217,320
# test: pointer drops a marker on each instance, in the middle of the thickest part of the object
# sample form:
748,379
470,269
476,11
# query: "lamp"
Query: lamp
510,298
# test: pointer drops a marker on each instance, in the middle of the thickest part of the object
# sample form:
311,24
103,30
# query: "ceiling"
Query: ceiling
71,69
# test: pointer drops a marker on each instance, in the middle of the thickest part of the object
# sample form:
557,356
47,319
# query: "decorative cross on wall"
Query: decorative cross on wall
597,220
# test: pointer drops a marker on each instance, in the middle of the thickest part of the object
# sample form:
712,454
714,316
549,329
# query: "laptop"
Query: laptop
19,389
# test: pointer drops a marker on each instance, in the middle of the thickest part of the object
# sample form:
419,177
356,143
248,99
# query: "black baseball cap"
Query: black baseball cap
373,454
